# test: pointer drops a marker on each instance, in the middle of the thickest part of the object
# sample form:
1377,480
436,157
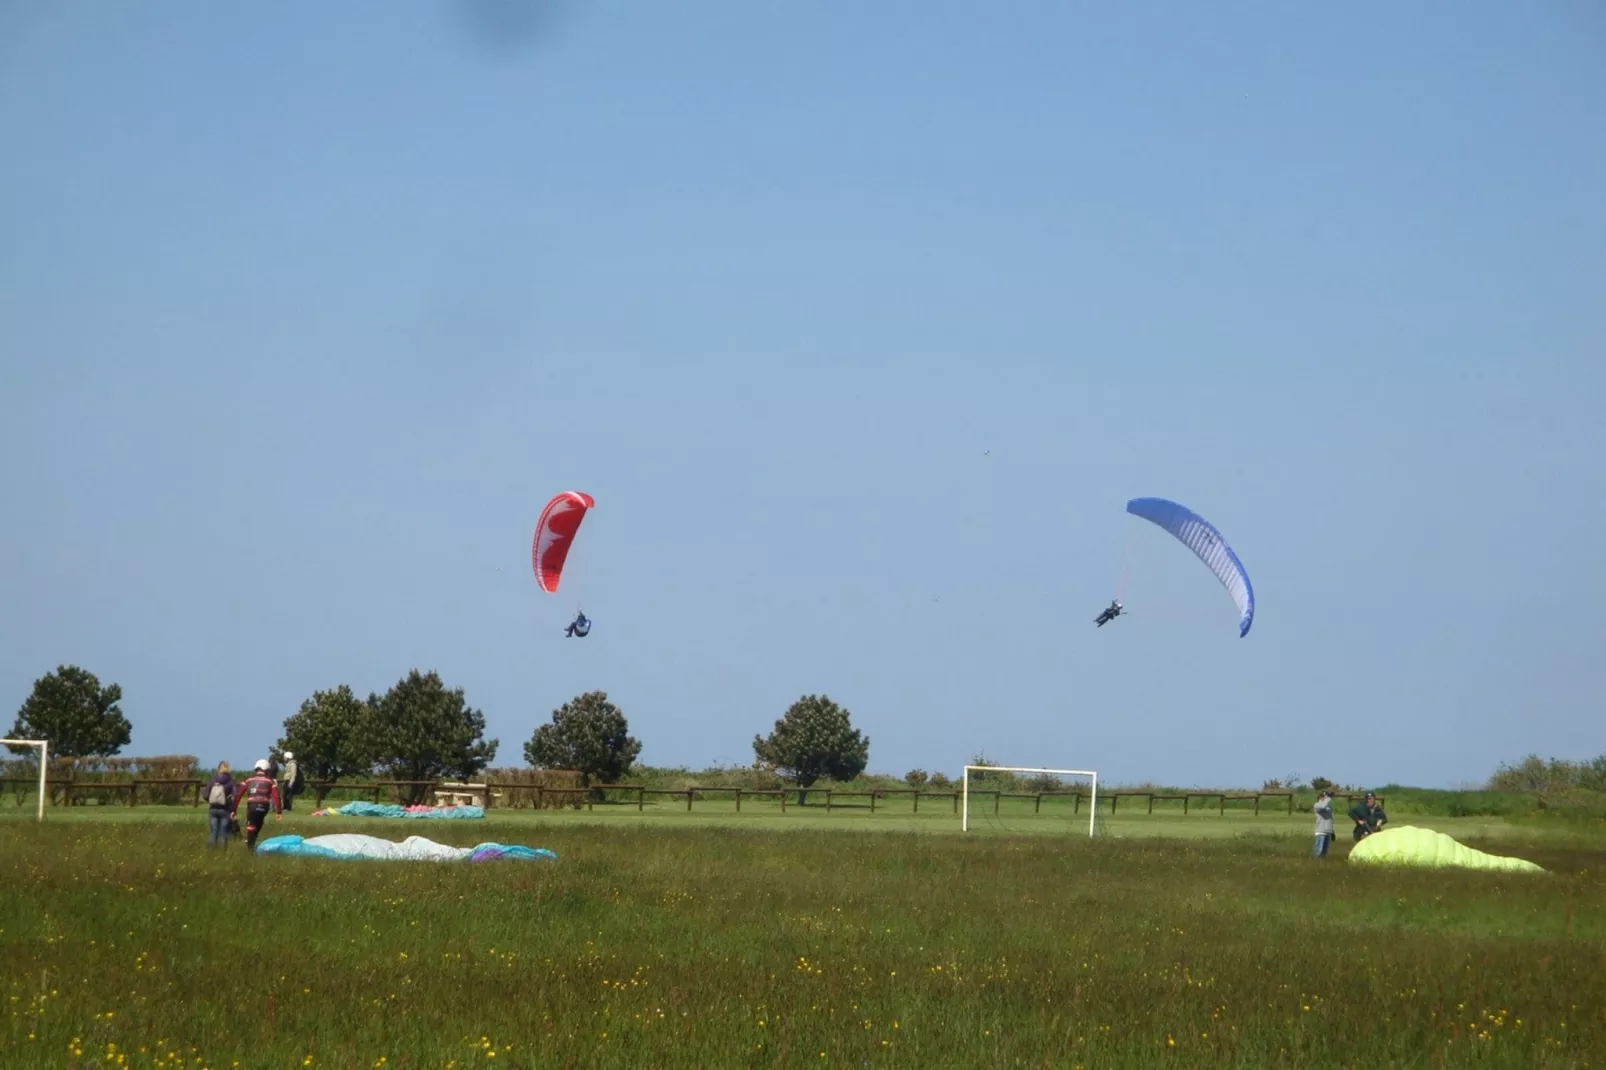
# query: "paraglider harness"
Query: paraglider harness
1113,610
579,627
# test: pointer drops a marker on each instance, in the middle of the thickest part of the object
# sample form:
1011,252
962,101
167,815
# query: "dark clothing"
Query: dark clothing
260,792
578,627
1367,818
255,817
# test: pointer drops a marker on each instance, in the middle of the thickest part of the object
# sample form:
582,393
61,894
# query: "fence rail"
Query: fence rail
510,794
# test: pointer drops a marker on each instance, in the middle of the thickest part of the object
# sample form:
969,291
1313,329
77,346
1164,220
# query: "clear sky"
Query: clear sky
861,322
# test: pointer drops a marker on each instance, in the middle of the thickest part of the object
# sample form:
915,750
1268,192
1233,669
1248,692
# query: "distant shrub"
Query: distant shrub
915,777
1534,773
940,781
518,785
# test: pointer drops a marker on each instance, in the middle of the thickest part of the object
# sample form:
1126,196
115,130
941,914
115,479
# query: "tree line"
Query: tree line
422,730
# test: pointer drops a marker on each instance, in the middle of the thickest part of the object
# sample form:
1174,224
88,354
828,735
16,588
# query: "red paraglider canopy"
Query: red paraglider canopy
554,534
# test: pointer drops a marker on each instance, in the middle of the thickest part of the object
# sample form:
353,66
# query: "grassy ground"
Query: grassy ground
708,940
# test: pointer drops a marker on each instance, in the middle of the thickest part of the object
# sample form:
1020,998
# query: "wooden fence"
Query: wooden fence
516,795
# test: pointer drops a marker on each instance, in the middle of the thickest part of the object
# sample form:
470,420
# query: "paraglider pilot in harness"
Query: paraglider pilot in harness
579,626
1113,610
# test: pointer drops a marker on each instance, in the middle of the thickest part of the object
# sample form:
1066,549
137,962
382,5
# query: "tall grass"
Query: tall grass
125,943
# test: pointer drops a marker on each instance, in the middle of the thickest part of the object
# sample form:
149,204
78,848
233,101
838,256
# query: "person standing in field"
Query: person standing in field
1379,818
289,780
1366,815
219,806
1324,822
260,792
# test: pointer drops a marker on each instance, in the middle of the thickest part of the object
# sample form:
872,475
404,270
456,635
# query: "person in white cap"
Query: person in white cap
289,780
259,792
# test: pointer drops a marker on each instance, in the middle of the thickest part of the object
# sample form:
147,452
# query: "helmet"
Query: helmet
289,757
262,765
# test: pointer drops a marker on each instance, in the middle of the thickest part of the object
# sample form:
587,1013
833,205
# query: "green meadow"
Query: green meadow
712,939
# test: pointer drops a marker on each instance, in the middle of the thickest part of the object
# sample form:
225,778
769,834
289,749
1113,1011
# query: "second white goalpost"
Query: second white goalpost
1091,775
44,763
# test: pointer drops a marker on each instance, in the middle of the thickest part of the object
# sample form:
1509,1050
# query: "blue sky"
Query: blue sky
862,323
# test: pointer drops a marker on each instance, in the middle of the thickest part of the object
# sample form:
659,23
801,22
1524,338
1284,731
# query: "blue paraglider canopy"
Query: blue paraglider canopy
1207,543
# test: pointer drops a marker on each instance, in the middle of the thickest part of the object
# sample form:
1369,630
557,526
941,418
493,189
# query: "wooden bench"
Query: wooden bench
460,795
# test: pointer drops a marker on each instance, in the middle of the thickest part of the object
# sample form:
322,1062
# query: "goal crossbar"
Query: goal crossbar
44,755
1092,811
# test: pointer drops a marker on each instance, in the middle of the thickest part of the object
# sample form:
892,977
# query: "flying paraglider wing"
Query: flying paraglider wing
554,534
1201,536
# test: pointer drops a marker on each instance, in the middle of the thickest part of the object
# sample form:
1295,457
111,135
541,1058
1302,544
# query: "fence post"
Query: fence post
133,790
1257,804
827,800
641,800
688,800
738,800
917,802
1115,801
1151,802
1184,804
1290,804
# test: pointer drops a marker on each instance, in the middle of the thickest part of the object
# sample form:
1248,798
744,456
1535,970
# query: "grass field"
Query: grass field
712,940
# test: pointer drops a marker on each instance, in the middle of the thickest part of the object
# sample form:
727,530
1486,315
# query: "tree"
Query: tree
420,730
78,716
814,739
328,735
588,734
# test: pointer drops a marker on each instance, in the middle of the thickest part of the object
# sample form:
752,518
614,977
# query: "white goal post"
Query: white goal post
44,763
1093,779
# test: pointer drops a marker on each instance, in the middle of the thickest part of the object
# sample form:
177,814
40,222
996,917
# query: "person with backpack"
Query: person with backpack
219,803
289,775
259,792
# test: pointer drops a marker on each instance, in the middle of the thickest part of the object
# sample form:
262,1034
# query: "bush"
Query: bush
915,777
519,788
1533,773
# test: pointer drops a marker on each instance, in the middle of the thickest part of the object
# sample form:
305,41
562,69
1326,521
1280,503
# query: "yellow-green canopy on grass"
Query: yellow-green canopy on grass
1410,846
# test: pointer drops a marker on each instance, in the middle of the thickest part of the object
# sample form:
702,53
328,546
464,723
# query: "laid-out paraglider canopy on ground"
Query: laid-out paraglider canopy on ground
354,846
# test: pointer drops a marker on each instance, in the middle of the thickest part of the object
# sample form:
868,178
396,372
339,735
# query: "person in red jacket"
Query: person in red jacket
259,792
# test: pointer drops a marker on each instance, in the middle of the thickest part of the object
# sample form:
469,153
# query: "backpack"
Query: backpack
219,795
